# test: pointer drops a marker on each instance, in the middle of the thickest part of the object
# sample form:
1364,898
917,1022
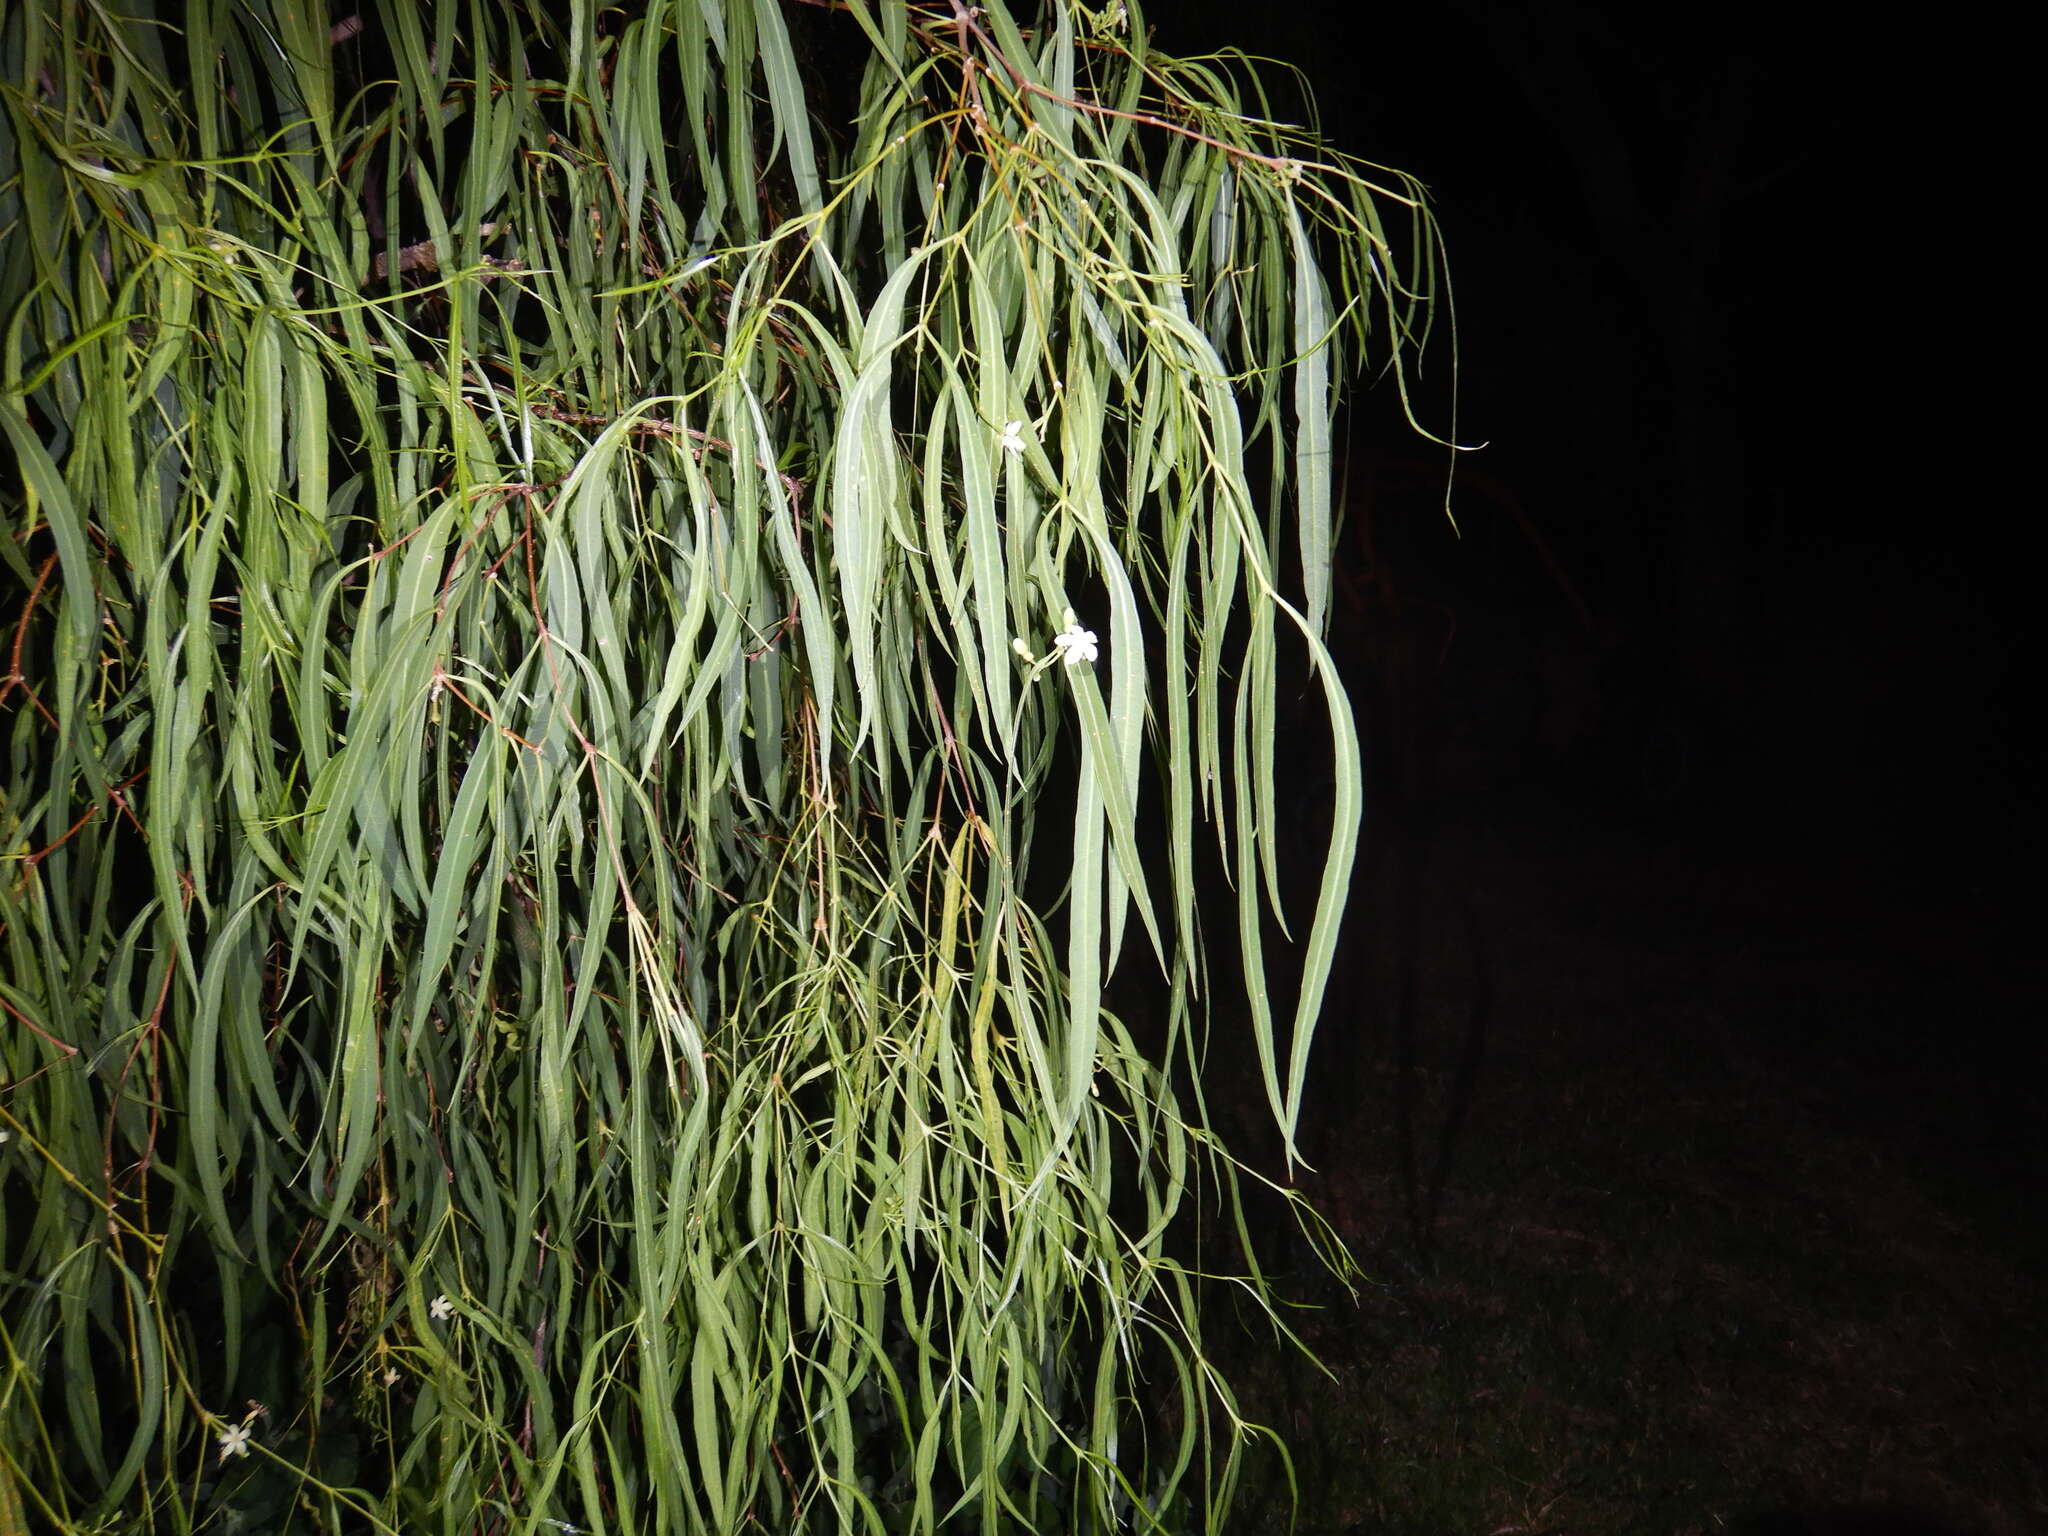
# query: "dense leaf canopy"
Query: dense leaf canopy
616,618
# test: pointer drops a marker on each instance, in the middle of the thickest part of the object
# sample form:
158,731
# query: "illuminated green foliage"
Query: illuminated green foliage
530,940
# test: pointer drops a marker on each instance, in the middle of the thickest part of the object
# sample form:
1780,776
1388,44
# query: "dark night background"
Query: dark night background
1705,768
1748,328
1748,325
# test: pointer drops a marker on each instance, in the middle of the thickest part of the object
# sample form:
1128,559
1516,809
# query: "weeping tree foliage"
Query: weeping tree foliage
615,620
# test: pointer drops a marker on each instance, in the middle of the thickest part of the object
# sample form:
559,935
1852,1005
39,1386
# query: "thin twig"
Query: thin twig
658,426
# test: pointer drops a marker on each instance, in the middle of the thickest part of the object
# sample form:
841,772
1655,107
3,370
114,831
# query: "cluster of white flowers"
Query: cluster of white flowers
1072,645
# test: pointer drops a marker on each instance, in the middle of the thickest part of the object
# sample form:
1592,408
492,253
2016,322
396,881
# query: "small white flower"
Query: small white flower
1076,644
441,1308
234,1441
1013,437
390,1375
5,1137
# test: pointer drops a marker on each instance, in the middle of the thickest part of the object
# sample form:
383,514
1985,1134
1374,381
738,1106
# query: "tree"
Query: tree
561,568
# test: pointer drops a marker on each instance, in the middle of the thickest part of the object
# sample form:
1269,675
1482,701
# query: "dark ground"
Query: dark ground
1698,1182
